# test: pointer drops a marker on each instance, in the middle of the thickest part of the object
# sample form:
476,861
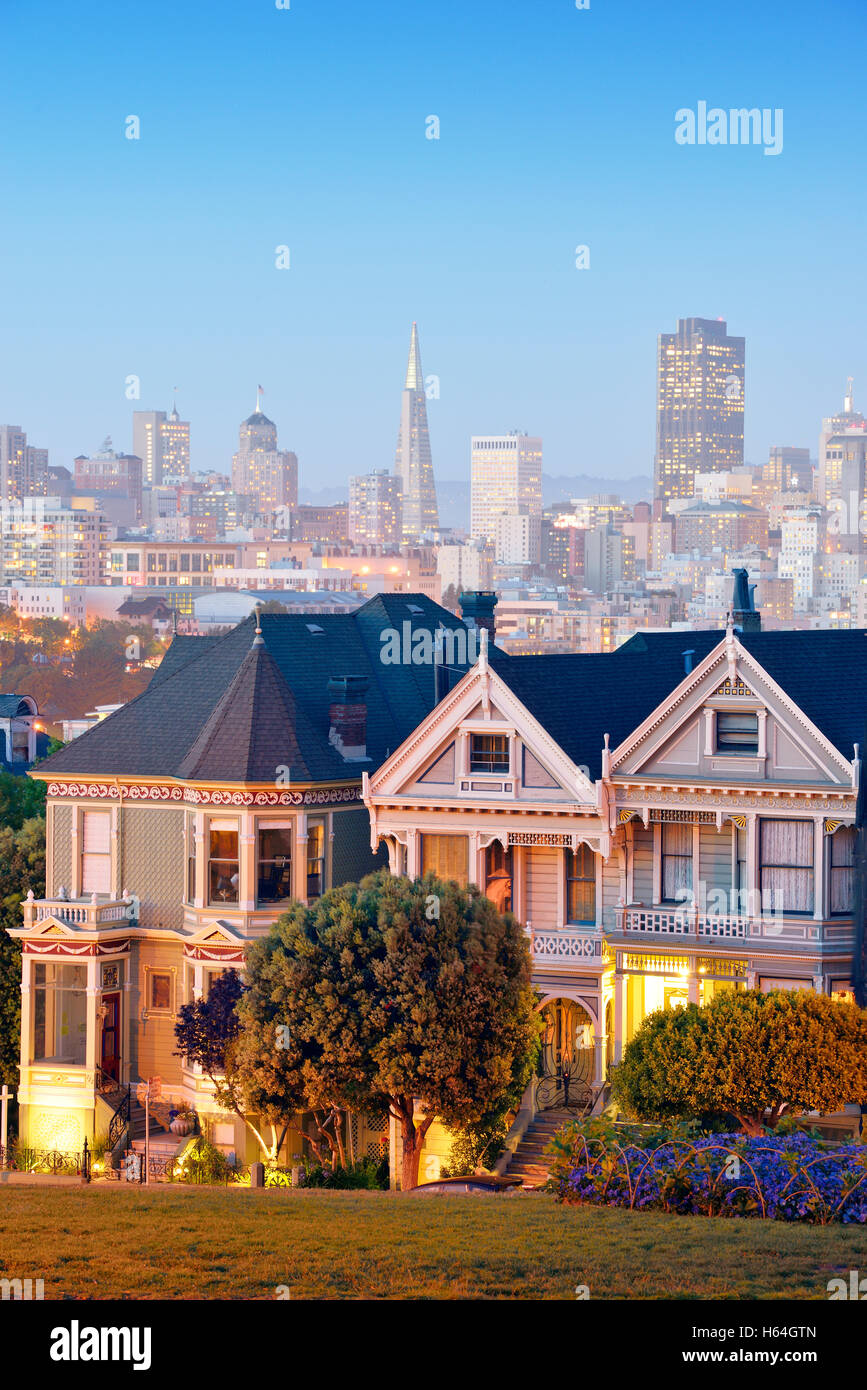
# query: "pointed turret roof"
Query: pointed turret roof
256,728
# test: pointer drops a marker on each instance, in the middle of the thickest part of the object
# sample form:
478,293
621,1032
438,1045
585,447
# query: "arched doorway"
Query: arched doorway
566,1058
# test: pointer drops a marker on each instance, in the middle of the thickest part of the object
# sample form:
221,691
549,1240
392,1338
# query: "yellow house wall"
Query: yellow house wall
153,1040
435,1154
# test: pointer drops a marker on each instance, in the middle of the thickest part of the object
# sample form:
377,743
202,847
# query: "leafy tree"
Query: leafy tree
22,867
748,1054
413,995
21,798
208,1031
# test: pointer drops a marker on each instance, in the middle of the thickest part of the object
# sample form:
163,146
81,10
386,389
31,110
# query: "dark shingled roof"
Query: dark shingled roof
824,673
209,695
257,728
579,698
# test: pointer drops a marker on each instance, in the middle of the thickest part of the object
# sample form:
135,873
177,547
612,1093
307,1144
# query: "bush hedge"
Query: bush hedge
779,1176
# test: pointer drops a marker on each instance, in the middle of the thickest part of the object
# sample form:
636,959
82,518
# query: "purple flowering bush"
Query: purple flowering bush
781,1177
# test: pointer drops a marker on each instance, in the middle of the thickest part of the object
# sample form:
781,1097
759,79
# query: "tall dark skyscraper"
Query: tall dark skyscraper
699,405
412,461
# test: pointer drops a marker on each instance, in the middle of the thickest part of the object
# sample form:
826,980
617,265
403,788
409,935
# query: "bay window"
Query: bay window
191,860
786,865
274,875
676,862
446,857
60,1013
580,885
223,872
498,876
315,858
843,870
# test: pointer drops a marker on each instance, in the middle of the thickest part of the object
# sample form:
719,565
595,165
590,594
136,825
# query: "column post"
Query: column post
753,875
621,982
93,993
299,871
818,868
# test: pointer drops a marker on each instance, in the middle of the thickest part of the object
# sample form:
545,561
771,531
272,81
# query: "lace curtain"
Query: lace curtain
843,869
787,865
676,862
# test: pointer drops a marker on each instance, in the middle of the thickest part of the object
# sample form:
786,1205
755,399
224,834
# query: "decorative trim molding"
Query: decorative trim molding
198,796
226,955
37,947
780,800
550,839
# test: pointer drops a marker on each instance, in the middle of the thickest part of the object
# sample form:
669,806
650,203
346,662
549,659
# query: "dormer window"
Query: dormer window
737,731
489,753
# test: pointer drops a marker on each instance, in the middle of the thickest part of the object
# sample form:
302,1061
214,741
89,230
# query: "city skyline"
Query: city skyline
517,335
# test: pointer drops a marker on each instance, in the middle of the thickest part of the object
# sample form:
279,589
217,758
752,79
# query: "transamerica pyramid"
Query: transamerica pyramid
412,461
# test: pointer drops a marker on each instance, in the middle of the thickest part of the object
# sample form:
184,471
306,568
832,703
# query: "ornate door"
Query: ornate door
110,1061
567,1057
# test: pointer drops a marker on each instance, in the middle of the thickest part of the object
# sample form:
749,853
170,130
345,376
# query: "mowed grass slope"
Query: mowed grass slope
194,1243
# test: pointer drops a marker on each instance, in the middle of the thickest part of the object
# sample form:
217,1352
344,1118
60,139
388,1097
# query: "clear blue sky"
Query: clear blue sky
306,127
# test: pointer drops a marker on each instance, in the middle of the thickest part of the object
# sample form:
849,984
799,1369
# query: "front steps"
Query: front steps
529,1161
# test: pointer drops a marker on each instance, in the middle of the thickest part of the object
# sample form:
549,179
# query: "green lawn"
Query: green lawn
208,1243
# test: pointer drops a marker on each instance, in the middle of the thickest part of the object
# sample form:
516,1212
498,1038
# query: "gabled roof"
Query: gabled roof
579,698
824,673
176,723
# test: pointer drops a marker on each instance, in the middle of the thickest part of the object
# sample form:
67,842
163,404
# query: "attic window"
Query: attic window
489,753
737,731
414,608
315,629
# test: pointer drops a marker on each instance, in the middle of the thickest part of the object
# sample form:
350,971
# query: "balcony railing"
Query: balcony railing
685,922
88,913
566,944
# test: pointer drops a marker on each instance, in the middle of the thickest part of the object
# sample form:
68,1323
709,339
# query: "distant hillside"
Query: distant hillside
454,497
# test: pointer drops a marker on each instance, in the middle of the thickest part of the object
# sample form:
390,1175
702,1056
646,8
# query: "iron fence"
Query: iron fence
22,1158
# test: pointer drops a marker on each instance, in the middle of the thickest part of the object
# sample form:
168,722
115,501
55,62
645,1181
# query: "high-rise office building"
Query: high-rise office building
147,444
788,468
176,445
162,442
261,471
110,474
44,542
23,468
842,465
412,460
375,508
699,405
505,479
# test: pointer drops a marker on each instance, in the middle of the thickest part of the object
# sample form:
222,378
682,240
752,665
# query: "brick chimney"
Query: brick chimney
347,716
477,610
745,615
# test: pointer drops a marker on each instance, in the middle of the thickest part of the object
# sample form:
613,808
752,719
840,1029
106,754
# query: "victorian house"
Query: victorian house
668,821
180,827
